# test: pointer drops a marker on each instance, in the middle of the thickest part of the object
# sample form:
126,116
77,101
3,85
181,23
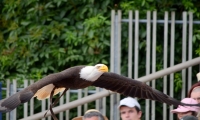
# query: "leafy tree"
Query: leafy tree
41,37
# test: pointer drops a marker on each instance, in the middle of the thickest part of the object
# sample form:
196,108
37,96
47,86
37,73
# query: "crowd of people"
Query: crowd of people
130,109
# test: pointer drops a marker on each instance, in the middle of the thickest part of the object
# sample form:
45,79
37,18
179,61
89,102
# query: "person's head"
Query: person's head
189,117
130,109
182,111
91,114
195,94
194,91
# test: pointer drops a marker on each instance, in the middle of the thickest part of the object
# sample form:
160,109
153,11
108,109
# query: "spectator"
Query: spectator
194,92
91,114
130,109
182,111
189,117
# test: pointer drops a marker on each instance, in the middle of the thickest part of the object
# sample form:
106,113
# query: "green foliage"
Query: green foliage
177,82
40,37
196,39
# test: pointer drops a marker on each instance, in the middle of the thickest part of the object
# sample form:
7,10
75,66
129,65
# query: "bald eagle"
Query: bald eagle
83,76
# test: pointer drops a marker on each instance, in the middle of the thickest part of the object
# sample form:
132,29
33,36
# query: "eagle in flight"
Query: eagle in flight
79,77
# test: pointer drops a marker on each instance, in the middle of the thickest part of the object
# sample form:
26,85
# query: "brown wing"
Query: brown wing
10,103
133,88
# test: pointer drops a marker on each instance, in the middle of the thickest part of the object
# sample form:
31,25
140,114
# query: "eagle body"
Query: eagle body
79,77
70,78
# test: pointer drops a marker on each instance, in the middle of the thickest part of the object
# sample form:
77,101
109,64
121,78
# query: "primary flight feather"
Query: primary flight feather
83,76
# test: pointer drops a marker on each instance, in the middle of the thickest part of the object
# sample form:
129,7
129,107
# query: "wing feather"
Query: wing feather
10,103
121,84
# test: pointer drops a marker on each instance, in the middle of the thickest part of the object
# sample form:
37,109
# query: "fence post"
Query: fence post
0,98
116,63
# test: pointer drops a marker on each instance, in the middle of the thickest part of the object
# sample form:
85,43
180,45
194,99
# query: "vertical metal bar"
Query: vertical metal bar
148,39
104,106
85,94
117,60
112,38
25,104
153,109
130,43
0,98
32,102
11,92
165,59
43,106
112,52
184,37
116,107
116,112
118,69
79,97
118,44
136,56
7,95
101,103
48,101
67,101
61,102
172,60
14,91
115,98
112,107
190,49
97,101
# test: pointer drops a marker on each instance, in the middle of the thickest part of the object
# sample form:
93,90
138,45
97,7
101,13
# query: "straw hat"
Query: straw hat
91,110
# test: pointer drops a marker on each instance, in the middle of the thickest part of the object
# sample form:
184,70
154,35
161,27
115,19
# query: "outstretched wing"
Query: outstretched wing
133,88
10,103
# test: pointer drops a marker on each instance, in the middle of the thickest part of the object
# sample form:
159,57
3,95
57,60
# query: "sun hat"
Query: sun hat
189,117
129,102
88,111
187,108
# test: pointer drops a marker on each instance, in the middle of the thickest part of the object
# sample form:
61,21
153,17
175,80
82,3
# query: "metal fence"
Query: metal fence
152,23
132,63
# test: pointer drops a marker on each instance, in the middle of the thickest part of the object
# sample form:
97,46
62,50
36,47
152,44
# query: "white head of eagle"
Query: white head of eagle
92,73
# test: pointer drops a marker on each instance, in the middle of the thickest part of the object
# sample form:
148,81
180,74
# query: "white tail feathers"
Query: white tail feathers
198,76
45,92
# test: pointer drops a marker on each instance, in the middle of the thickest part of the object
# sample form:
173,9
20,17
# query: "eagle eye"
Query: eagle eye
98,67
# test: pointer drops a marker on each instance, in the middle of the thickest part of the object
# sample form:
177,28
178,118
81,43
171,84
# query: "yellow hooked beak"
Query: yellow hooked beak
103,68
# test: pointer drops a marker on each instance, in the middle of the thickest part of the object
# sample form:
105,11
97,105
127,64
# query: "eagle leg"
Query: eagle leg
52,104
57,99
